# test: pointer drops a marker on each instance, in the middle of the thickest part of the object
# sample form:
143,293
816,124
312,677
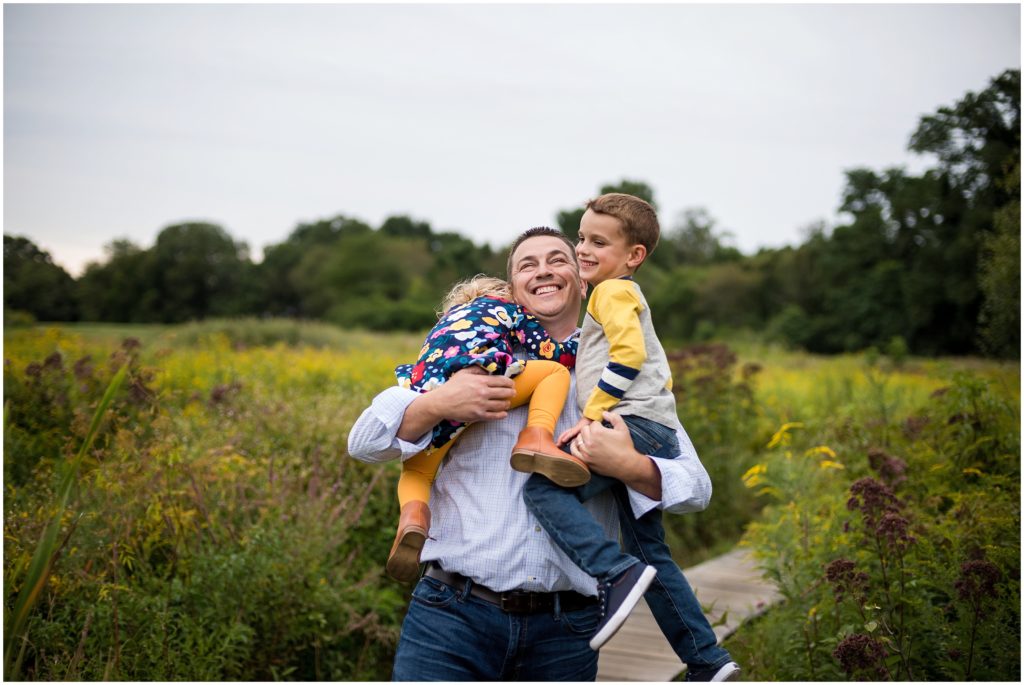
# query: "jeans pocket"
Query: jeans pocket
652,438
645,438
433,593
582,621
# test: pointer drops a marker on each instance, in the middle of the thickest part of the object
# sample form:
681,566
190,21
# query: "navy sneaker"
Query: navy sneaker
619,597
728,671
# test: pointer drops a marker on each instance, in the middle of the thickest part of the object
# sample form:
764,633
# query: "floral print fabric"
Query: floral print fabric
484,332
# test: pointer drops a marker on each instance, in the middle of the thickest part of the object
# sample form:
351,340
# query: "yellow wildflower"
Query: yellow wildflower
821,449
752,477
782,435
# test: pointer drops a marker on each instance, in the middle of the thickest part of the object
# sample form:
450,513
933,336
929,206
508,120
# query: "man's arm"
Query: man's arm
470,395
676,485
610,451
398,422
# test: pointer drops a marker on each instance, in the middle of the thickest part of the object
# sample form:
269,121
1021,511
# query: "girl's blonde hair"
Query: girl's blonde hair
472,288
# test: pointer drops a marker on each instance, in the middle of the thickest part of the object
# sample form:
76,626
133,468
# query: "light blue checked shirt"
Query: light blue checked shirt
480,526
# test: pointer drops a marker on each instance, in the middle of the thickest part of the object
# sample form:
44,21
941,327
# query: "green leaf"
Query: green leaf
42,560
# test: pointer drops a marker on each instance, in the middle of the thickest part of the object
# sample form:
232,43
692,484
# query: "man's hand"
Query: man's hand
568,435
610,451
469,395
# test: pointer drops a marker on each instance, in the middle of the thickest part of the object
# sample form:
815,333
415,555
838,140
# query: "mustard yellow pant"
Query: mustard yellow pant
544,384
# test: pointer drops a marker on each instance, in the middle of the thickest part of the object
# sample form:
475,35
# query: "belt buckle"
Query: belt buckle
509,602
517,602
521,602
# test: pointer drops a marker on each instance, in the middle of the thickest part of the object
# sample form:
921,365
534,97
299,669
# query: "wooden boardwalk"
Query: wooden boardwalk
729,583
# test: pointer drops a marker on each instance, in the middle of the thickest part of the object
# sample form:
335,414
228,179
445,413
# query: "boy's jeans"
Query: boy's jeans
671,599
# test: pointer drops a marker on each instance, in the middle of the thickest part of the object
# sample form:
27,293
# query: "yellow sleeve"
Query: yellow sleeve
616,306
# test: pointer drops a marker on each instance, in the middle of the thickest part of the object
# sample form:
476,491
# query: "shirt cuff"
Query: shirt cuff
389,408
641,503
685,486
673,493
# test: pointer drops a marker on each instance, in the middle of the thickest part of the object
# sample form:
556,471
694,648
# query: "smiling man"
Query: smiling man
498,600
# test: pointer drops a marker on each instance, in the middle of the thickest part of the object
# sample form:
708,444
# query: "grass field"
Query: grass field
217,529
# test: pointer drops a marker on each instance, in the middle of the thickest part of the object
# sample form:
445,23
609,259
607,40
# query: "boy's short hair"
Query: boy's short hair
639,220
533,233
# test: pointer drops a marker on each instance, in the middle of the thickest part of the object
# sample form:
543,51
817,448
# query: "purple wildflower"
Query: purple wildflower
892,528
846,580
874,499
977,581
863,656
890,469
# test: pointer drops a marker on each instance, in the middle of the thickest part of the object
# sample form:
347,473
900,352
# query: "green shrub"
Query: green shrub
219,531
717,408
17,318
252,332
51,401
896,546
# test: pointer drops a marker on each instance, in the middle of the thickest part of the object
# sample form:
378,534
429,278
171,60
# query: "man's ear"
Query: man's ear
637,255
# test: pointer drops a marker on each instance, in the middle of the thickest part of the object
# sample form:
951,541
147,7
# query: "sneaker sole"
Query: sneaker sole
727,673
564,472
625,609
404,562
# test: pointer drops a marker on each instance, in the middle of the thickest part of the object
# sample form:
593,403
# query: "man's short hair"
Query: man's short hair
638,218
533,233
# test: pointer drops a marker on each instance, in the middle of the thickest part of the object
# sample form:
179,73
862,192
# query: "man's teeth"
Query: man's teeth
545,289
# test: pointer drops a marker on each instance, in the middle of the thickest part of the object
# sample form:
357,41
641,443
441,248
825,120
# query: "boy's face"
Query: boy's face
603,251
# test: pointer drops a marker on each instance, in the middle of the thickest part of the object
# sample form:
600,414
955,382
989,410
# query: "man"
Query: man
499,601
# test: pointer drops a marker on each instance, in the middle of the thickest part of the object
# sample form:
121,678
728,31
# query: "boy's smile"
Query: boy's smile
603,251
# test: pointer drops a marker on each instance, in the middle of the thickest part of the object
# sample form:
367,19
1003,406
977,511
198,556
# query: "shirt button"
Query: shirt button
537,528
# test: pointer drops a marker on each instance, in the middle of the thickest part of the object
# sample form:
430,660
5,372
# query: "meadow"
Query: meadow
216,529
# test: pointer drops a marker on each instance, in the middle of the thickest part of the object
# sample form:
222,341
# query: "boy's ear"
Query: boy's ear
637,255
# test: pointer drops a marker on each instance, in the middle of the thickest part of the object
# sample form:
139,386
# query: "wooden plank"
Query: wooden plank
731,582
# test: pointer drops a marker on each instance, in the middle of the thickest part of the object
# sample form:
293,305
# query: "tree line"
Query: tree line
929,262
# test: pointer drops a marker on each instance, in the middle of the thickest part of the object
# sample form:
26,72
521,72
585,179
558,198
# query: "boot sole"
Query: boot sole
404,563
563,471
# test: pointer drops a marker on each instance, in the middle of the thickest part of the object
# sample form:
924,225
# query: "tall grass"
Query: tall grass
47,549
891,523
222,532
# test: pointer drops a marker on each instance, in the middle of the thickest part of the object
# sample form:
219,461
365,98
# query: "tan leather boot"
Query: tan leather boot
536,452
413,525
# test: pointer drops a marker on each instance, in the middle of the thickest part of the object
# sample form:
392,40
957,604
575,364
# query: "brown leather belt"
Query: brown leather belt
515,601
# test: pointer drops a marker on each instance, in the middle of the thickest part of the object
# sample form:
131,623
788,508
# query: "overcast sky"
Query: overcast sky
120,120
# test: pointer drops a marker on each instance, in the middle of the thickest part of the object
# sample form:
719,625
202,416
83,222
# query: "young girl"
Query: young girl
480,326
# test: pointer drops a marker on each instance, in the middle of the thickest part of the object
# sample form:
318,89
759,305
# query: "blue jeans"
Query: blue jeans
671,599
448,634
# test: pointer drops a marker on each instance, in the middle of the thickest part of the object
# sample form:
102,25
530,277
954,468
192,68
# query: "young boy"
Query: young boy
621,364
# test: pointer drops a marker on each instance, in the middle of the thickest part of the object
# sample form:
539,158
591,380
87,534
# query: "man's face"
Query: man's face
546,281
